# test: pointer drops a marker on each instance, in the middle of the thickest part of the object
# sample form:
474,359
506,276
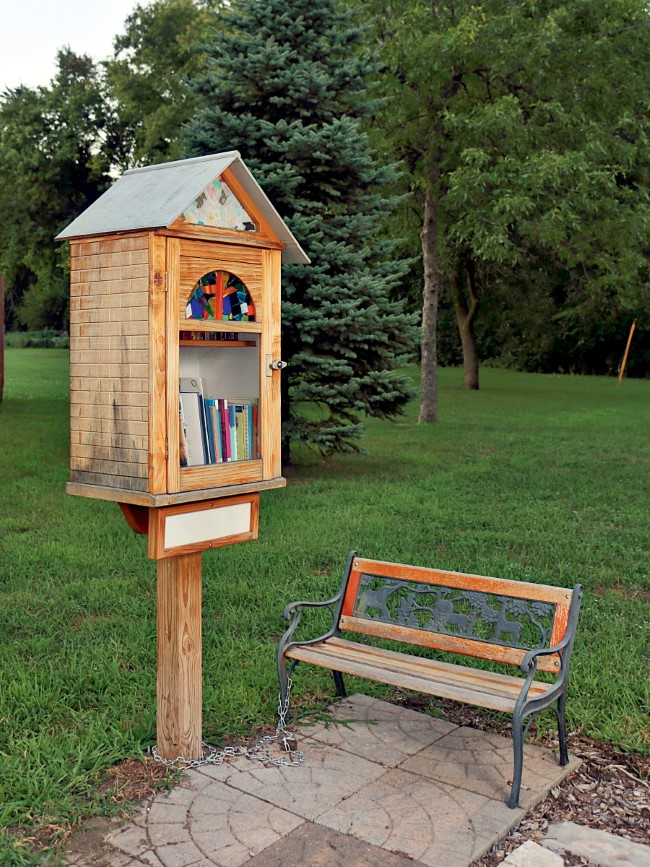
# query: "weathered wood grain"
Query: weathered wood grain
179,684
447,680
109,360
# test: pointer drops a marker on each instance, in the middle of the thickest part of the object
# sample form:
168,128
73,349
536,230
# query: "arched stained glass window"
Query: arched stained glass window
220,295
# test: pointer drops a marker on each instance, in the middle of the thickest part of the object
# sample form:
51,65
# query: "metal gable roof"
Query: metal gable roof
155,196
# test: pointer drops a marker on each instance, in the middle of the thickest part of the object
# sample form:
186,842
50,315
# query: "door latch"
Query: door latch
274,364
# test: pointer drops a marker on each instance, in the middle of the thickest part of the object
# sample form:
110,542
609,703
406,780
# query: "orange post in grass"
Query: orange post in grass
627,349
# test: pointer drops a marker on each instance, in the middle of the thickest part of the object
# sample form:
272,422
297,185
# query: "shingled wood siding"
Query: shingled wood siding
109,367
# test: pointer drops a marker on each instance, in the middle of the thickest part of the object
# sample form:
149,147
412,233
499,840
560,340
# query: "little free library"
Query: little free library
175,366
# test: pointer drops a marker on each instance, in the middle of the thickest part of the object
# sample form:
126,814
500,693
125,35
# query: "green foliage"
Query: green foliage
529,123
59,145
287,87
147,76
559,459
53,164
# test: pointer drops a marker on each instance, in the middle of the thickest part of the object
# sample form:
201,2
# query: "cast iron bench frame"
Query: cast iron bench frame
367,587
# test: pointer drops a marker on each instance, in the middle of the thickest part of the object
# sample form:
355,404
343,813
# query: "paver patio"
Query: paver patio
384,784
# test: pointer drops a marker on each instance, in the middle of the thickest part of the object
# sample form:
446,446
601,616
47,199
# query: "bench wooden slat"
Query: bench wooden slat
470,686
461,580
441,641
455,672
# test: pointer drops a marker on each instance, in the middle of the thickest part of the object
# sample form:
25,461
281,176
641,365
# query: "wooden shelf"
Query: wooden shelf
219,325
217,343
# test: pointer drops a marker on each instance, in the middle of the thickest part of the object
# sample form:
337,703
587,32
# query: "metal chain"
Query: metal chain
259,752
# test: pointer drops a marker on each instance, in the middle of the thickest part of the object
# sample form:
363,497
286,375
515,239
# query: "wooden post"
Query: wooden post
627,349
179,657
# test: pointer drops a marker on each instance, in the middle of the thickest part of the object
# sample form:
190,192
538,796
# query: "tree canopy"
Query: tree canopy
155,56
54,145
525,129
522,134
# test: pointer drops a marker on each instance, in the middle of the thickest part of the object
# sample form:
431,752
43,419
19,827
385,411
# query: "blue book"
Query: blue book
232,433
249,412
208,403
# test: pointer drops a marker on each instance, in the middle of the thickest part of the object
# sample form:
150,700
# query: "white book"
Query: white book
192,407
197,384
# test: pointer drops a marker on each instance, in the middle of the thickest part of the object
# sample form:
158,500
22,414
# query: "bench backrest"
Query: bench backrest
474,615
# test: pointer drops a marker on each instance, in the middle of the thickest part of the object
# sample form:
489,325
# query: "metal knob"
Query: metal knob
274,364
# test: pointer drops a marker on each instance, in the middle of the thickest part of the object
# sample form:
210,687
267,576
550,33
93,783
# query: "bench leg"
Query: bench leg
561,729
339,684
518,748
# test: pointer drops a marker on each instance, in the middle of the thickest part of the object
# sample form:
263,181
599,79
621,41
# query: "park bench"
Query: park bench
529,625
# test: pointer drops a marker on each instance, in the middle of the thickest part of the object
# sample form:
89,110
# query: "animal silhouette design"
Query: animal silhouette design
370,598
506,627
443,614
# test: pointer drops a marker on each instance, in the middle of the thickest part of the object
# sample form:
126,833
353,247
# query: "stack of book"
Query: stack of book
211,335
213,430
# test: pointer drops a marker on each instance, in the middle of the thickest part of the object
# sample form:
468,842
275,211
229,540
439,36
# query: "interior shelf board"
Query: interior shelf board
217,343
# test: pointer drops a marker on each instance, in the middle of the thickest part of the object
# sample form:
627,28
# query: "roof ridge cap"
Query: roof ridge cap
207,158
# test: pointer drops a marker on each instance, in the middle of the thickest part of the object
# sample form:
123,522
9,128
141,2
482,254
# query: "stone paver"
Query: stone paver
376,730
483,763
314,846
431,822
531,854
180,854
230,827
598,847
327,777
131,840
380,784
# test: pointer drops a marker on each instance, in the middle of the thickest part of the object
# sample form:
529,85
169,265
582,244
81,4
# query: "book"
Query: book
192,412
240,432
249,407
195,384
225,428
232,432
214,430
182,436
209,432
218,439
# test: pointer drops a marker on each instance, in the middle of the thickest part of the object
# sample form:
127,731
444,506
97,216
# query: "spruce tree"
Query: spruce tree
289,87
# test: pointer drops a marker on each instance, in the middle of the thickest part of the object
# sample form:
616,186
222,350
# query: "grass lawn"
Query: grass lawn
538,478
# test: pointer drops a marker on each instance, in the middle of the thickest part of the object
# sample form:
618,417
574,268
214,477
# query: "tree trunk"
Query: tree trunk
463,290
430,296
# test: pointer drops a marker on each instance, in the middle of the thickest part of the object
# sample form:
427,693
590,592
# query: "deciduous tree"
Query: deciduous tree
54,144
525,129
159,50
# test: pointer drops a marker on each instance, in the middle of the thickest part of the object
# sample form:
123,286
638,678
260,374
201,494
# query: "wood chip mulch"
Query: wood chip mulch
609,791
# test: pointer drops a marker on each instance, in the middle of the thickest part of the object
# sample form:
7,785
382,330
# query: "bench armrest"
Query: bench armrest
530,659
293,612
294,608
529,662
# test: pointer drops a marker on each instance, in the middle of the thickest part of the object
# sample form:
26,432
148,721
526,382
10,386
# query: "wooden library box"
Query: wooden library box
175,358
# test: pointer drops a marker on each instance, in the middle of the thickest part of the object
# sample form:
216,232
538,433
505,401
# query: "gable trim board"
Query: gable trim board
155,197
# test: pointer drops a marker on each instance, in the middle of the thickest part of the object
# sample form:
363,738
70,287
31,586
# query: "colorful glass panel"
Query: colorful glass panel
218,206
220,295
